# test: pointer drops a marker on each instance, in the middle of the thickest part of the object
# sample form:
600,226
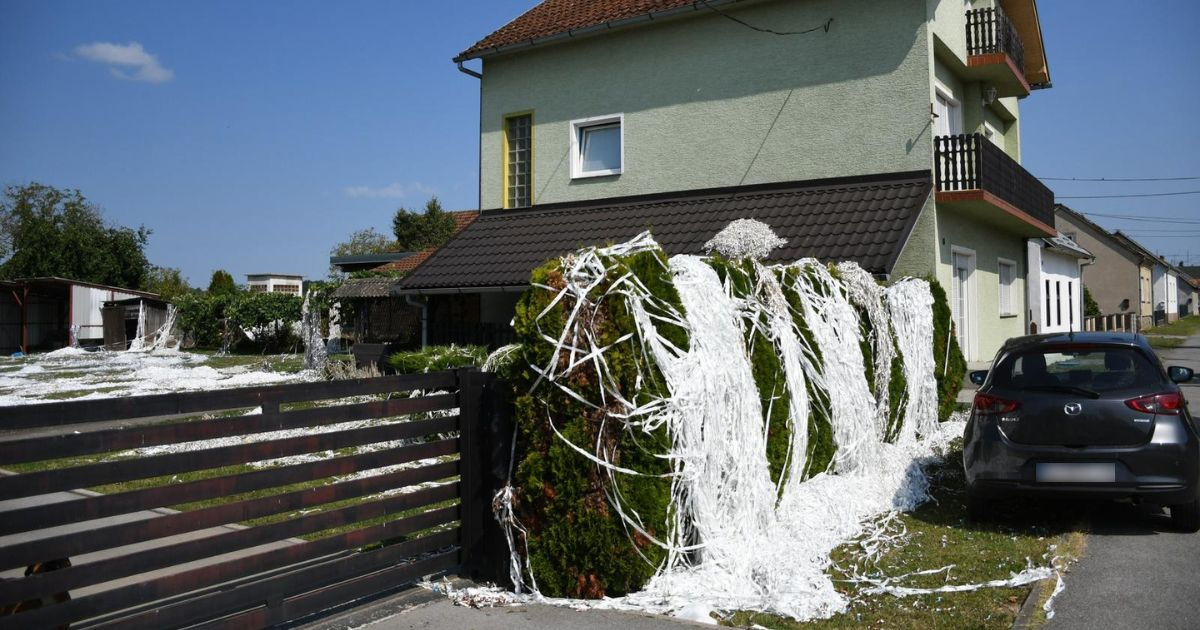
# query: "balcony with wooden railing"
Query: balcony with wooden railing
978,177
995,52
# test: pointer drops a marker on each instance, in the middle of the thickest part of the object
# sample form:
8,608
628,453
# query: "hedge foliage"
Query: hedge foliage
213,317
949,379
578,546
437,358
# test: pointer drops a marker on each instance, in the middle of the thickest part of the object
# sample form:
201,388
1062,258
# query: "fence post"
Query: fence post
485,446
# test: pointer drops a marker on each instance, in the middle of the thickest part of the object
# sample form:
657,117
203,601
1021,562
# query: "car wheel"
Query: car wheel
1186,516
978,509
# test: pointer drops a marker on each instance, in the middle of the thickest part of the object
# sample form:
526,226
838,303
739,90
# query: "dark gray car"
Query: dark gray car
1083,415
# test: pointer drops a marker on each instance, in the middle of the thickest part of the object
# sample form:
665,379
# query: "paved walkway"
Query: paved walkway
1137,571
421,609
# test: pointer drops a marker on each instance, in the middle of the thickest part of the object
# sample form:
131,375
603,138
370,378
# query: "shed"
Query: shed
121,319
41,313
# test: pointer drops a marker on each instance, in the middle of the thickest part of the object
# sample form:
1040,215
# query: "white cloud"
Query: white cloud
391,191
126,61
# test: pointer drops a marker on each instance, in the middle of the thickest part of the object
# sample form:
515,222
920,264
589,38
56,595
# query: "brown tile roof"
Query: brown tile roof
864,219
461,221
553,17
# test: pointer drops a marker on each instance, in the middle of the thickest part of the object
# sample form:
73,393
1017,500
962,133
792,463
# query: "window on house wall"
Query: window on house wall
1007,273
518,161
597,146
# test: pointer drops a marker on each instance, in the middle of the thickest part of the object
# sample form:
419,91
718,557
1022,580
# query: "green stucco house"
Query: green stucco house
881,131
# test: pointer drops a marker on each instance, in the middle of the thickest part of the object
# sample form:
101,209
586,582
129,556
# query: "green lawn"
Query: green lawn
939,534
1185,327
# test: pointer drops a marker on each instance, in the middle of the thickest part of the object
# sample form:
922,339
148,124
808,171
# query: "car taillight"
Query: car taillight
1168,403
986,403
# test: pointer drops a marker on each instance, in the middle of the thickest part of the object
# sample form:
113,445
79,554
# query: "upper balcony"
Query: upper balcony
978,177
996,52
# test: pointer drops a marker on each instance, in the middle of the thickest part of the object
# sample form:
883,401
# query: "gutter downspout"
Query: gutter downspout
408,299
479,132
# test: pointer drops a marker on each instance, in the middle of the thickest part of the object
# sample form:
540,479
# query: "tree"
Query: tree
368,241
167,282
221,283
417,231
1090,307
45,231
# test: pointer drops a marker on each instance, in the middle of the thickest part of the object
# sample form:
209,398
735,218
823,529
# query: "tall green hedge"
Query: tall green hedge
578,546
949,378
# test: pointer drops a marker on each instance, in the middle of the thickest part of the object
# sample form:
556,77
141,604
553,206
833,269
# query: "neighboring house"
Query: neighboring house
1054,284
274,283
1163,278
380,316
889,135
1188,288
1120,278
43,313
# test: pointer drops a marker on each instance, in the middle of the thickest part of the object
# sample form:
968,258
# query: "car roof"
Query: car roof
1076,338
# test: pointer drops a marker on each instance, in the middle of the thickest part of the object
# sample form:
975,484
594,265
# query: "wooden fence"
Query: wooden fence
377,488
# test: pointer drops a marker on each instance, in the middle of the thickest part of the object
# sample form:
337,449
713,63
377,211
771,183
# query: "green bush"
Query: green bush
821,447
949,379
578,546
210,316
437,358
203,315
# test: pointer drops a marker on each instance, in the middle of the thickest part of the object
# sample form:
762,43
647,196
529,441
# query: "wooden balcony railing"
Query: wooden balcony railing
972,162
990,32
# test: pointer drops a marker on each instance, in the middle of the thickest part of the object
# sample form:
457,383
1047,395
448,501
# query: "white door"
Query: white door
962,307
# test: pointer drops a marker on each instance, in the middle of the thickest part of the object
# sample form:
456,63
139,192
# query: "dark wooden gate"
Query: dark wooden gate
377,488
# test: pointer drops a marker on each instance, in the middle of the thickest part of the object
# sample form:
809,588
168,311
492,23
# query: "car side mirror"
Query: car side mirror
979,376
1180,374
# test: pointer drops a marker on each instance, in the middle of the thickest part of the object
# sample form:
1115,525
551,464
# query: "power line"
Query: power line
1131,217
824,27
1166,194
1120,179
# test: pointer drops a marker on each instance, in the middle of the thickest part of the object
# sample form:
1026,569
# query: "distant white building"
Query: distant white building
1055,289
274,283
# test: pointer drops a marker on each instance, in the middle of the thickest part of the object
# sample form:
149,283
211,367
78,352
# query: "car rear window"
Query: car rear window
1096,369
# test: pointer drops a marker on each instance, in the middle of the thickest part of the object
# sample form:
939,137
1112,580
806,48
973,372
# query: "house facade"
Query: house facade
1054,284
592,106
274,283
1119,278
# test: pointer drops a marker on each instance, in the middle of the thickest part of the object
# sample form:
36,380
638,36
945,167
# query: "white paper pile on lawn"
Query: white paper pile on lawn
738,540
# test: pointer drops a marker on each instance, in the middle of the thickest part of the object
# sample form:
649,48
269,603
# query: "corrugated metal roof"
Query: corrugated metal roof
864,219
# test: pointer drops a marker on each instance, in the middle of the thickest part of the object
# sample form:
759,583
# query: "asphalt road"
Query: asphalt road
1137,572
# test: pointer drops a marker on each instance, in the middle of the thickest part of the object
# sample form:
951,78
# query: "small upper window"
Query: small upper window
597,146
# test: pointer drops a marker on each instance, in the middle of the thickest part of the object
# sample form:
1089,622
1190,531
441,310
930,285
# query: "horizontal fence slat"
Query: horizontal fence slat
91,475
378,582
245,595
309,603
108,409
108,569
74,544
71,445
82,509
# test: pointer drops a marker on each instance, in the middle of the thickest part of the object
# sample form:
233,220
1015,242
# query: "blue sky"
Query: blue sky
252,136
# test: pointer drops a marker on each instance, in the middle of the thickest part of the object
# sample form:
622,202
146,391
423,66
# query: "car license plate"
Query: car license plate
1077,473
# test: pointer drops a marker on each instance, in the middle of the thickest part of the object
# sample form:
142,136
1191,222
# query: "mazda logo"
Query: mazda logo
1072,409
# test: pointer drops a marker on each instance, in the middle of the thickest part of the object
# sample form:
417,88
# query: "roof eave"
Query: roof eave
482,53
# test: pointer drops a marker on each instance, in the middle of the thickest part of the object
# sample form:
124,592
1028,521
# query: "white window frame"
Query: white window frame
577,126
1006,293
954,113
